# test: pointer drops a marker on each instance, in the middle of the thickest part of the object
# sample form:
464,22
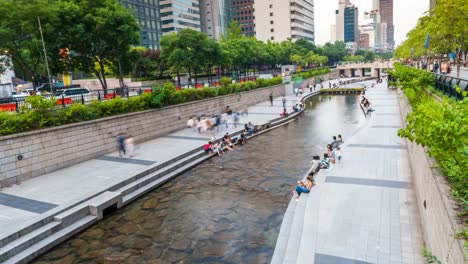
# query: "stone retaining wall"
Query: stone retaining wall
50,149
434,203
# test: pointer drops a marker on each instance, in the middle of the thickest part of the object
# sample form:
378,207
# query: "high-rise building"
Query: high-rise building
383,23
215,17
339,13
242,11
368,30
179,14
351,33
364,41
147,13
347,22
278,20
432,4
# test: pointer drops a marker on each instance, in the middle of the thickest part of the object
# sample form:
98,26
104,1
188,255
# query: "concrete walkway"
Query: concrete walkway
362,210
26,203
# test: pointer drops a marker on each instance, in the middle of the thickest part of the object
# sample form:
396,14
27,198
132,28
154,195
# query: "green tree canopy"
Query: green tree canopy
100,34
20,38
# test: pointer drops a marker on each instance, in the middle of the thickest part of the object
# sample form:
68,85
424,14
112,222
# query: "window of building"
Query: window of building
272,38
272,30
271,6
271,14
271,22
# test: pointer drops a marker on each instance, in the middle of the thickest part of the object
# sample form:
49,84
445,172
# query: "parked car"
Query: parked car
75,94
25,93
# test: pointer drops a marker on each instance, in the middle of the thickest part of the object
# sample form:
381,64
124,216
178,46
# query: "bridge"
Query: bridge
359,69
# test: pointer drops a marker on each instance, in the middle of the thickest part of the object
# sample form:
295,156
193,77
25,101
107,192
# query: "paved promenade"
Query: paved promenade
26,202
363,210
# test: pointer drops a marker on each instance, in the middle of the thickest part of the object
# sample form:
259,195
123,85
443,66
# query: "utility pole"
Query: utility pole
45,55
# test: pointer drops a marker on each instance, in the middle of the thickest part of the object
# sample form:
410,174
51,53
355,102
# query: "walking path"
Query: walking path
363,210
27,202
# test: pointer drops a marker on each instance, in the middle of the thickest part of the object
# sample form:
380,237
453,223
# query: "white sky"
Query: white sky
405,16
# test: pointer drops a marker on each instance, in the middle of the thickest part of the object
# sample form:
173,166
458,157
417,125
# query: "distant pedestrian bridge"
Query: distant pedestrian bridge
373,69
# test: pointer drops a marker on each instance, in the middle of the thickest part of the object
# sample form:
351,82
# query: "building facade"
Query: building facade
346,27
369,40
179,14
351,33
243,12
383,25
432,4
364,41
148,15
278,20
215,17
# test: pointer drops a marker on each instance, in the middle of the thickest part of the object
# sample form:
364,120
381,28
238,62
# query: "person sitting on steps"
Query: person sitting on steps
303,187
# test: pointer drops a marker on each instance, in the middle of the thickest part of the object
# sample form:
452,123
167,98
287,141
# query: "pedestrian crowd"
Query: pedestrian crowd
333,155
211,124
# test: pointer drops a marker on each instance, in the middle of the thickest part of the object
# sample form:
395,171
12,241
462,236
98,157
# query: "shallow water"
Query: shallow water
226,210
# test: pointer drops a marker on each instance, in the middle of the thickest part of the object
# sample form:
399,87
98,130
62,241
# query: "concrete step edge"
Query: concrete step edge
44,245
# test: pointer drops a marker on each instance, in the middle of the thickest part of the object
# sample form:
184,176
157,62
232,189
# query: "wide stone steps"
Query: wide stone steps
39,237
52,240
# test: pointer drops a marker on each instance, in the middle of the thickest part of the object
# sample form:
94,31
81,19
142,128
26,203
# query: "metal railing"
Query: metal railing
447,85
16,103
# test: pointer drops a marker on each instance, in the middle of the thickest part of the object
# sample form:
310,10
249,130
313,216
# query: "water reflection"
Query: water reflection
227,210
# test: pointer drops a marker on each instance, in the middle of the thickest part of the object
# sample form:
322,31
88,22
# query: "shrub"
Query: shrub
440,126
39,112
225,81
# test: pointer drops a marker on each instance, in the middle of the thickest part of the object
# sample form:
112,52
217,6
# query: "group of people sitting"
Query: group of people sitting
228,143
333,153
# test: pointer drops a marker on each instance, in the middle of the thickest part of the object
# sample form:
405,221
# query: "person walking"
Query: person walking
284,101
121,144
130,146
271,98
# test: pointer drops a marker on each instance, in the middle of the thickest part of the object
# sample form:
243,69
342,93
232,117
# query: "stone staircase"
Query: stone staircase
59,224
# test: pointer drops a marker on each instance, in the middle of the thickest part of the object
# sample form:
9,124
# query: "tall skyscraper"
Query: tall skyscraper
215,17
242,11
347,22
147,13
383,23
179,14
278,20
351,33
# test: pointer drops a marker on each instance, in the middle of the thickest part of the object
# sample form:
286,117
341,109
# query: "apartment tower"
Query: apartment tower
278,20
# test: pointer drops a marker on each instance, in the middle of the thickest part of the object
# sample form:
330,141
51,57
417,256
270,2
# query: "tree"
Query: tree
335,52
20,37
189,50
369,56
449,28
100,34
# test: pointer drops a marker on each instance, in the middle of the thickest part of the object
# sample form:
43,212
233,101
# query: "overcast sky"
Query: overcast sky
405,16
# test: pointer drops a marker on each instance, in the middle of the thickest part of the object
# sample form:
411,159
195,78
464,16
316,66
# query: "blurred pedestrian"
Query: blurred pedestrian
271,98
130,146
121,144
